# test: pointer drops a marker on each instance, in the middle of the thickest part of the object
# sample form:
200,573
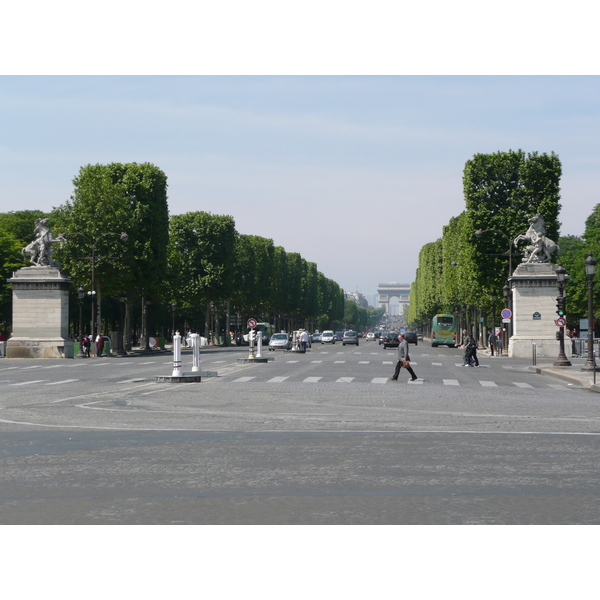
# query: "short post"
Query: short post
195,351
259,345
251,343
177,355
534,353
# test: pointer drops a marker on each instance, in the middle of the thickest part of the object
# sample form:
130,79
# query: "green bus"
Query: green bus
443,331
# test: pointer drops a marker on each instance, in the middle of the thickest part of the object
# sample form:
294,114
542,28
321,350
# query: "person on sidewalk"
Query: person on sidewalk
492,342
403,359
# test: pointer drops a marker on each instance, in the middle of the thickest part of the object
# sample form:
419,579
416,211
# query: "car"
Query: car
280,341
327,337
410,337
350,337
316,338
389,340
420,336
339,336
370,336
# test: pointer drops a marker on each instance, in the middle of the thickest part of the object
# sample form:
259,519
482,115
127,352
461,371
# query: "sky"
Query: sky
356,173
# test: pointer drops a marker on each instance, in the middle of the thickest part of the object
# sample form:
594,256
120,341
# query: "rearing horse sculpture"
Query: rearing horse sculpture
40,250
541,247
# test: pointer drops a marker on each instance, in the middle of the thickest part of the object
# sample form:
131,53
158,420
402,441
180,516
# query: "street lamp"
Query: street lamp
494,298
590,270
506,294
173,308
81,296
562,360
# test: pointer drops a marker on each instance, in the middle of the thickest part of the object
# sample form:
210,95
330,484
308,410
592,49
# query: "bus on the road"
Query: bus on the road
443,331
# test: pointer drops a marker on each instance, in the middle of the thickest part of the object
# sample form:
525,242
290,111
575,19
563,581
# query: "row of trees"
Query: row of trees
194,267
463,272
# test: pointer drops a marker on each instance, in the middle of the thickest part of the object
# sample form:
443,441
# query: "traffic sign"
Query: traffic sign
252,323
560,322
506,313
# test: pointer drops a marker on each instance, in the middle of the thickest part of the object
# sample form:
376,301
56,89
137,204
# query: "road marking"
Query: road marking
63,381
277,379
148,363
316,361
52,367
345,380
388,362
521,384
488,384
339,362
312,379
451,382
242,379
436,364
379,380
35,367
557,386
417,382
214,362
291,361
29,382
364,362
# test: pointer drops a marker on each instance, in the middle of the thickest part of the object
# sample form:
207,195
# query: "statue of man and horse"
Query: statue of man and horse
40,250
541,247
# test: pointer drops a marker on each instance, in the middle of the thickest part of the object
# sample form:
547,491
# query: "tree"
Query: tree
21,224
110,199
10,260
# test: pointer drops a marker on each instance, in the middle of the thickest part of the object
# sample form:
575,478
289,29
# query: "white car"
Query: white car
280,341
370,336
328,337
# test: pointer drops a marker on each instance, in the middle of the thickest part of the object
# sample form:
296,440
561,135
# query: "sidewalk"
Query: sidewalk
572,374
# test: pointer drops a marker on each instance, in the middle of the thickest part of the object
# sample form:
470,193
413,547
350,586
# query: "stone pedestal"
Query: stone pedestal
534,292
40,314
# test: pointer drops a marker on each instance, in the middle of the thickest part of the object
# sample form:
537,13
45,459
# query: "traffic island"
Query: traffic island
256,359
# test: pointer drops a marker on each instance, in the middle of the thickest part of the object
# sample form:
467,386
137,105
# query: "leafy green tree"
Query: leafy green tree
110,199
21,224
10,261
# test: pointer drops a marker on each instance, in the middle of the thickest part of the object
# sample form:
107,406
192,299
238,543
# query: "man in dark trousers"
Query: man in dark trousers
403,359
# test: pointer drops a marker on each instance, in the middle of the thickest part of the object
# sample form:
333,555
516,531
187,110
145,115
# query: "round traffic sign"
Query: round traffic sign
560,322
252,323
506,313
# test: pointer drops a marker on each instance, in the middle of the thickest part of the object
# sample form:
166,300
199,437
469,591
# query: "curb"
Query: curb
568,377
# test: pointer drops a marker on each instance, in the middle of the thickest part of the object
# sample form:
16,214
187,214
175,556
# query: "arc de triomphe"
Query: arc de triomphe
389,290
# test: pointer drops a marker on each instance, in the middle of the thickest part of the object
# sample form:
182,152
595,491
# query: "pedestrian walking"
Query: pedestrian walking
86,345
99,345
492,341
470,348
403,359
304,339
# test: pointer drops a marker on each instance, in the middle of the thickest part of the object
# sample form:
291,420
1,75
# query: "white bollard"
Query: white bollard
177,355
251,343
259,344
196,352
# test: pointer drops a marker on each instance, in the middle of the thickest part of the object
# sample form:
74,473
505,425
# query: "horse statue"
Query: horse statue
40,250
541,247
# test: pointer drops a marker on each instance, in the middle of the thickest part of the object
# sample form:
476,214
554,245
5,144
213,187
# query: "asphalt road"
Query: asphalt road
316,438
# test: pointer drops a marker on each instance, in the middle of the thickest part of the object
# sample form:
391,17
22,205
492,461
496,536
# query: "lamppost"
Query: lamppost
93,244
562,360
173,308
506,294
81,296
590,269
494,298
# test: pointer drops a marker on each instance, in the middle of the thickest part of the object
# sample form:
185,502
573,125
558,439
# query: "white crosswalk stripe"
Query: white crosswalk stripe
345,380
243,379
277,379
488,384
521,384
436,364
312,379
451,382
379,380
364,362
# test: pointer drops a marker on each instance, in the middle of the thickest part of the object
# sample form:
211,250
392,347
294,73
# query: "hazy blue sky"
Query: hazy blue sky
356,173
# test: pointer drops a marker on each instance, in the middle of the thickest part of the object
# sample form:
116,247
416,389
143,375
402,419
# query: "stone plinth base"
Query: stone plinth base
28,348
40,314
544,348
180,379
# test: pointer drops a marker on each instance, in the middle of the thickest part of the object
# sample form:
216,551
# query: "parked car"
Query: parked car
411,337
350,337
327,337
280,341
389,340
316,338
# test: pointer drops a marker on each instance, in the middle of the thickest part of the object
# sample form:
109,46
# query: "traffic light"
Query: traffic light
560,306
